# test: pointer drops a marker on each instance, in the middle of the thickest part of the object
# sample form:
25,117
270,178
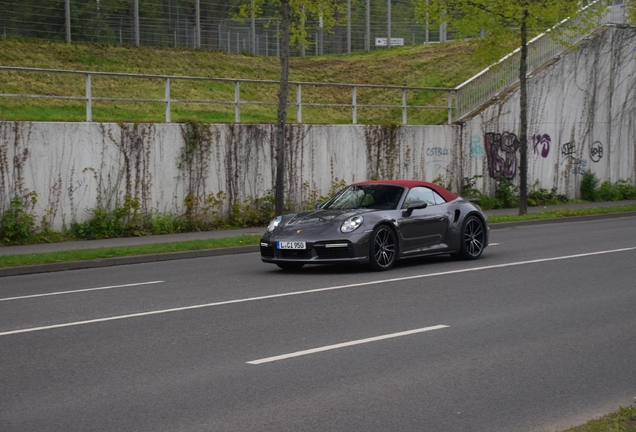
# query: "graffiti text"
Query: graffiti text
501,150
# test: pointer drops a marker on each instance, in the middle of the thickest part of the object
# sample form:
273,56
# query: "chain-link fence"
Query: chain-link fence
174,23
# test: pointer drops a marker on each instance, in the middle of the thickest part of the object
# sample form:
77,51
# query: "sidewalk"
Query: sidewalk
258,231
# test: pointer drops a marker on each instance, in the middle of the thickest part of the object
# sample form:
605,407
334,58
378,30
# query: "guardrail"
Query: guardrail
460,101
236,101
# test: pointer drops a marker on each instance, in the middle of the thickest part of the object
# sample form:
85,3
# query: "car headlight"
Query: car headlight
351,224
274,223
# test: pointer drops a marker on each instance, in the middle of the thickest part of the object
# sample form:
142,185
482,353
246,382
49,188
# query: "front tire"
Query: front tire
290,265
473,239
383,248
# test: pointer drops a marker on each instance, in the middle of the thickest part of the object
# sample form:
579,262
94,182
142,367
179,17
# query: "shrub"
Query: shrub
589,186
506,193
17,224
627,190
608,192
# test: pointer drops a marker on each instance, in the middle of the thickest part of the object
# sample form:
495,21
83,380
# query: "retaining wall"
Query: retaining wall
582,117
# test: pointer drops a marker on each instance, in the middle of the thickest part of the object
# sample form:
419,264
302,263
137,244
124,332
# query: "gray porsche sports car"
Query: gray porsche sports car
377,223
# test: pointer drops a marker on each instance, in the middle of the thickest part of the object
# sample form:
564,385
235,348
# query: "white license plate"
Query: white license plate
292,245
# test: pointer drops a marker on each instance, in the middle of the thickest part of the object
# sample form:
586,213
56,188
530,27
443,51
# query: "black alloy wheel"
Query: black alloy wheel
473,239
290,265
383,248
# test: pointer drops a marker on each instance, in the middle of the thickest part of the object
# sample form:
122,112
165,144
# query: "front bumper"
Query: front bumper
318,251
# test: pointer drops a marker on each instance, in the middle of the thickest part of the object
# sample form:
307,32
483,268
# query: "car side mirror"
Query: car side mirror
415,205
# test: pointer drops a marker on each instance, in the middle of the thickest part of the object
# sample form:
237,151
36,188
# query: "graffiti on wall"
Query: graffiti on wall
440,161
541,144
501,150
475,148
437,151
579,166
596,151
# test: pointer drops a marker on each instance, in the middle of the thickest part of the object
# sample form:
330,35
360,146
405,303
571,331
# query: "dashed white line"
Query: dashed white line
80,290
312,291
344,344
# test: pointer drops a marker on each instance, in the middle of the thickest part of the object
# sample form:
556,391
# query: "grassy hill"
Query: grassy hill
444,65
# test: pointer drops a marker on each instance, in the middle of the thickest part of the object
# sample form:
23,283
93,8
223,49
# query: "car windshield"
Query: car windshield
371,196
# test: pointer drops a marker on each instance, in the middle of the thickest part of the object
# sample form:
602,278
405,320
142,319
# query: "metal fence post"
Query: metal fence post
197,24
299,104
354,105
136,12
253,27
168,100
348,27
237,102
89,100
388,23
404,119
68,21
367,40
450,106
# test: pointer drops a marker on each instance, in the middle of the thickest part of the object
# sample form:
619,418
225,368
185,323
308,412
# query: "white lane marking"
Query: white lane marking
80,290
494,244
273,296
345,344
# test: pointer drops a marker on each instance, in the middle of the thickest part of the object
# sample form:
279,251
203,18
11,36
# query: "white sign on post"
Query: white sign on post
394,42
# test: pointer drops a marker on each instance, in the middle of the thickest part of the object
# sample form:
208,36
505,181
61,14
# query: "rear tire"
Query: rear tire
473,238
383,248
290,265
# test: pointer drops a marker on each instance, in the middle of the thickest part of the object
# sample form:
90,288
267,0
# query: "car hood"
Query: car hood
317,222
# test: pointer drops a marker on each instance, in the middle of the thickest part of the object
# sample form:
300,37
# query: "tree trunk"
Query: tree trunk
523,118
282,107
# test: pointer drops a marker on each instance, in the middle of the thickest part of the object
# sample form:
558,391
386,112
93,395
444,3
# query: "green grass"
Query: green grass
554,214
445,65
623,420
90,254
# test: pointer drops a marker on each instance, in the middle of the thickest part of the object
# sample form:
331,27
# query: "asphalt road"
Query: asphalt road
537,335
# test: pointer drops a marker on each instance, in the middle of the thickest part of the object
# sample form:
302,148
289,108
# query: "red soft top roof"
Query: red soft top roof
447,195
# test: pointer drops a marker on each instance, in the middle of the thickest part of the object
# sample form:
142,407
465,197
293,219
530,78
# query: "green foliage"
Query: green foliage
253,212
17,223
627,190
330,12
502,19
593,190
204,212
630,11
589,186
507,193
608,192
123,221
543,197
623,420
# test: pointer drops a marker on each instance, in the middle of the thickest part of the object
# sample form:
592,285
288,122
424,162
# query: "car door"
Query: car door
424,228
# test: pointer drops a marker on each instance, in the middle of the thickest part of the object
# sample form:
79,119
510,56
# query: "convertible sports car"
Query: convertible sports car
376,223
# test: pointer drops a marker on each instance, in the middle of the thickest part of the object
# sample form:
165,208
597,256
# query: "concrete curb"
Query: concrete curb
501,225
138,259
